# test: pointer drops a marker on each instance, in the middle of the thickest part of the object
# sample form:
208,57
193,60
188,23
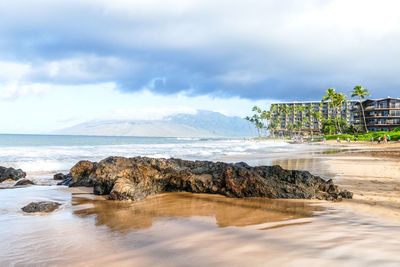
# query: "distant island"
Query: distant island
201,124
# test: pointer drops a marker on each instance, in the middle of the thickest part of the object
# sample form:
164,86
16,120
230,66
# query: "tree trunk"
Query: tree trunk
337,119
362,109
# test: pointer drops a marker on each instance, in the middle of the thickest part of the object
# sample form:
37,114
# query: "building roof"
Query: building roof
305,102
381,99
350,101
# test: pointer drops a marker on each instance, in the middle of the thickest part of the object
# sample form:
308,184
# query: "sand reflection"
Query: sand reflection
314,165
122,216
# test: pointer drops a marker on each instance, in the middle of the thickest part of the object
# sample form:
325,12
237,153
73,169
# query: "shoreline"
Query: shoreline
374,179
176,229
370,171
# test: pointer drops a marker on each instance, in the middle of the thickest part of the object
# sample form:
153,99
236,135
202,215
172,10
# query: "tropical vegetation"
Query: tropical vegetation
361,93
268,122
394,135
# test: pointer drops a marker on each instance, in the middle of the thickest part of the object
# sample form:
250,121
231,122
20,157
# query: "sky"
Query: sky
66,61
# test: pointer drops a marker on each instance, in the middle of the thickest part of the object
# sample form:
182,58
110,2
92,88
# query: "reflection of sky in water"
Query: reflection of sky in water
225,211
187,228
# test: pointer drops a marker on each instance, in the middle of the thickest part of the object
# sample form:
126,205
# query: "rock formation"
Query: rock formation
136,178
41,206
11,174
66,180
59,176
24,182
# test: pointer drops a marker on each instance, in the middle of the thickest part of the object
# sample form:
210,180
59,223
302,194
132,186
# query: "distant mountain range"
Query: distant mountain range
202,124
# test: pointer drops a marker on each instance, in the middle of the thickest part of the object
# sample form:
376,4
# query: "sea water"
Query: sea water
43,155
176,229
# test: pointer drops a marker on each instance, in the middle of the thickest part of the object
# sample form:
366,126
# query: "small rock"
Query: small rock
11,174
24,182
41,206
346,194
59,176
66,181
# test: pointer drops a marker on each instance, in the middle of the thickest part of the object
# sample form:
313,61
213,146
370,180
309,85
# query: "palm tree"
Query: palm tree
339,99
308,118
266,117
273,120
330,96
284,110
301,109
275,123
318,117
291,127
256,120
361,93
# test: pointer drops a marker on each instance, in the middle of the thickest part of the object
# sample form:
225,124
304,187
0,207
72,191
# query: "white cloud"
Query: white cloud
254,49
13,70
13,90
243,77
83,69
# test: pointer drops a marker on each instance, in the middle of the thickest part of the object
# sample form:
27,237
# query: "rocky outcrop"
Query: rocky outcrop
59,176
11,174
136,178
24,182
66,180
41,206
81,174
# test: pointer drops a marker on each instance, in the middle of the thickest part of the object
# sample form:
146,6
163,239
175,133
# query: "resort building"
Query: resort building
348,111
381,114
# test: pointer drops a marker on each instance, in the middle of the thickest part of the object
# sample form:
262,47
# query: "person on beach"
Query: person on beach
385,139
355,139
338,140
388,138
372,139
379,140
324,140
348,139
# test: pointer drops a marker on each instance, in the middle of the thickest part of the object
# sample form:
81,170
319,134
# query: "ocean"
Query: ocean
175,229
41,156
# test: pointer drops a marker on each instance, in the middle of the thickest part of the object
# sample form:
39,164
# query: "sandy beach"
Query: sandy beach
372,173
193,133
181,229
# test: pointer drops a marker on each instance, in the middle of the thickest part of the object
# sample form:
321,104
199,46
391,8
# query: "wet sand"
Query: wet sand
89,229
375,180
181,229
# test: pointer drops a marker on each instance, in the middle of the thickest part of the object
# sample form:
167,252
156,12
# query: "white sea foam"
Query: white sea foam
51,159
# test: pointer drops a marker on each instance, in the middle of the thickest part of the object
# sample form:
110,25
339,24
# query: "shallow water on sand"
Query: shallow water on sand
181,229
223,211
88,226
187,229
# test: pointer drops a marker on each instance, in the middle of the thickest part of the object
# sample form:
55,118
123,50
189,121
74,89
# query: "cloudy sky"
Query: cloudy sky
66,61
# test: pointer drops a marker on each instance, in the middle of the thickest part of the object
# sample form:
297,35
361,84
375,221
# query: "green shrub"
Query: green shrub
394,136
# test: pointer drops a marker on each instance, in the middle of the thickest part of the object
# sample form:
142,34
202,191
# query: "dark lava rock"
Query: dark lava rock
136,178
24,182
66,180
11,174
41,206
80,174
59,176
